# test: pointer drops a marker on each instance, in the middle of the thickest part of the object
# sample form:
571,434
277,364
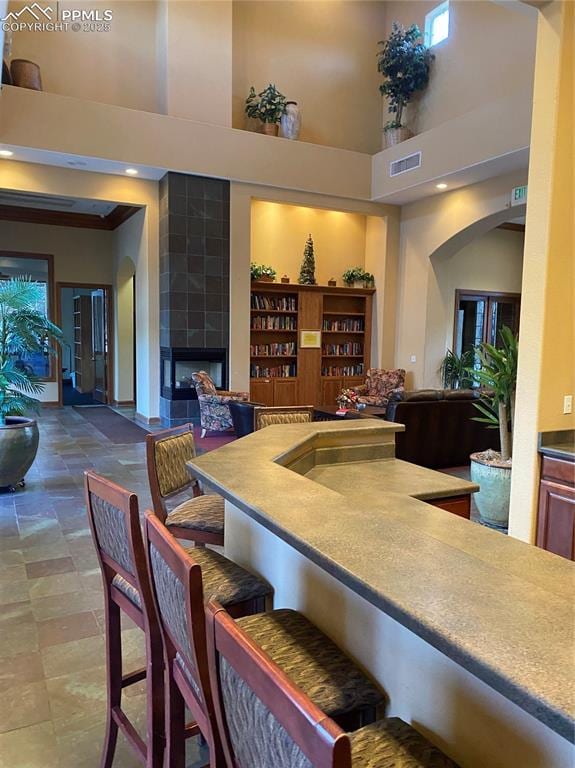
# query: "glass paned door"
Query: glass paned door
100,344
479,316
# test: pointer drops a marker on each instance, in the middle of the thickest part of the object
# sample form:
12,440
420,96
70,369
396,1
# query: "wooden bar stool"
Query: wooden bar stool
331,678
199,519
266,720
115,525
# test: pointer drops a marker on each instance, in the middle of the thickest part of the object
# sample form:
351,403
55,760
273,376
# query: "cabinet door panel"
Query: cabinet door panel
556,525
330,389
262,391
285,392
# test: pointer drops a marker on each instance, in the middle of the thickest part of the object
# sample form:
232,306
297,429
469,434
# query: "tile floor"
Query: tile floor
52,685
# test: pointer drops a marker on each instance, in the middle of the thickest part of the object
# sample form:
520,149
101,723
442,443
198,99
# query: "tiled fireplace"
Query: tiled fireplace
194,289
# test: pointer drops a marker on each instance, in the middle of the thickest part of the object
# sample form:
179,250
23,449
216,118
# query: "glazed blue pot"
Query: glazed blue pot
495,490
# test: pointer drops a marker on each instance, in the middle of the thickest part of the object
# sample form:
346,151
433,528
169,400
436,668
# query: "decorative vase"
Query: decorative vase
494,480
26,74
270,129
291,121
395,136
18,447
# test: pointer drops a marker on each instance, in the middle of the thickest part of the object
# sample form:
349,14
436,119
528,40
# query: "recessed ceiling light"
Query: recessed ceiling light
441,186
6,153
132,171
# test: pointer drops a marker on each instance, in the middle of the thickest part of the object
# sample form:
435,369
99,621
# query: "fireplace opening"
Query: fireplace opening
178,364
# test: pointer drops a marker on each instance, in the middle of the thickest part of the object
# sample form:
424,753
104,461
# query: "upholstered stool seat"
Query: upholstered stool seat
224,581
312,661
200,513
391,743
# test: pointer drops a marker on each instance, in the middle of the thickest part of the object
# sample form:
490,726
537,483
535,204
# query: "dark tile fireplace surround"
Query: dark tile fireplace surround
194,289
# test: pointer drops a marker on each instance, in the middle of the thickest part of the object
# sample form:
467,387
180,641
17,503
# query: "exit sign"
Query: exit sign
519,195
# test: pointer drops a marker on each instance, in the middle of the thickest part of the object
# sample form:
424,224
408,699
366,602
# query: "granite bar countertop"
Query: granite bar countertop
500,608
558,445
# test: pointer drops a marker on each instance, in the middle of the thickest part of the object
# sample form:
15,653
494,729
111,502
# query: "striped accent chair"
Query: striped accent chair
289,414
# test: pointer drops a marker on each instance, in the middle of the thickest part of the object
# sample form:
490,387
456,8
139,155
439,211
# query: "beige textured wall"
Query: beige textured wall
114,67
279,234
441,224
489,55
546,370
320,54
492,262
195,59
97,186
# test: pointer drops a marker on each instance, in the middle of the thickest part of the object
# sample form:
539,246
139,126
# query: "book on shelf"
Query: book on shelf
277,303
342,370
345,324
273,372
349,348
273,323
285,348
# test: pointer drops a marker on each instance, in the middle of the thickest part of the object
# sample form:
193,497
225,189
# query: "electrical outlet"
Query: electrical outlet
413,359
568,404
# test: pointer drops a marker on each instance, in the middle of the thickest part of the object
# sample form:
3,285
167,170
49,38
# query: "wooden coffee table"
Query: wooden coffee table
329,413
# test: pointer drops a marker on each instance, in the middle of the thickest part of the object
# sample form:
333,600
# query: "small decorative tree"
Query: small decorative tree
307,271
404,62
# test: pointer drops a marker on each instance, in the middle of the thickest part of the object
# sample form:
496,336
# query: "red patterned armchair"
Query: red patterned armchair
379,386
214,409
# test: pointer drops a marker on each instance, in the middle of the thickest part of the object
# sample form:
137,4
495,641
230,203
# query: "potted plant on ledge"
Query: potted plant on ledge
404,62
357,277
492,469
24,330
262,273
267,107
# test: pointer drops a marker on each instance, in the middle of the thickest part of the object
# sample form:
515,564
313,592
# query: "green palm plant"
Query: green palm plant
455,368
24,329
497,372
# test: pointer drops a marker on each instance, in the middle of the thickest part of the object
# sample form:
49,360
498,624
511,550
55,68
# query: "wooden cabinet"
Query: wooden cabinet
457,505
556,519
281,372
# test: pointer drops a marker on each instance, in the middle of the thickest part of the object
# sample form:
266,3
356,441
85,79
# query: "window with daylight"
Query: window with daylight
40,269
437,25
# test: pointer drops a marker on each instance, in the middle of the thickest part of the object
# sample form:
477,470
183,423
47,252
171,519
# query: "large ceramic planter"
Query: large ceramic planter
494,480
18,446
395,136
270,129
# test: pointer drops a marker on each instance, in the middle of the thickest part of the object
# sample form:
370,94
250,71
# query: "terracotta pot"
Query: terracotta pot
26,74
264,279
18,447
396,135
270,129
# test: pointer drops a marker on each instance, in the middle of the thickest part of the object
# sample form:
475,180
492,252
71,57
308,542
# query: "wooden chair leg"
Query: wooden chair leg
175,724
113,679
155,688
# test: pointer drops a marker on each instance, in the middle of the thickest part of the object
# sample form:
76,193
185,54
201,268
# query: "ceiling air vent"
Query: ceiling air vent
409,163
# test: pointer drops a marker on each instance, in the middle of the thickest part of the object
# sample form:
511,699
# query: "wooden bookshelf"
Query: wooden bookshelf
283,373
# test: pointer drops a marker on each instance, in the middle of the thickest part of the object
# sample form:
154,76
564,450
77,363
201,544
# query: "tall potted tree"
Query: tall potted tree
404,61
497,372
24,330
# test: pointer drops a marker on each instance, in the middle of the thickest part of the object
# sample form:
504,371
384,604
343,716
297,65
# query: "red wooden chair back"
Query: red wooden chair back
263,718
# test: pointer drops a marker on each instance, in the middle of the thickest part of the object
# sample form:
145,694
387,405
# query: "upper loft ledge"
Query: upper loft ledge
71,126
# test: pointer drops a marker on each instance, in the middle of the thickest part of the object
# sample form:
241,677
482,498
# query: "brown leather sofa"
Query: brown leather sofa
439,427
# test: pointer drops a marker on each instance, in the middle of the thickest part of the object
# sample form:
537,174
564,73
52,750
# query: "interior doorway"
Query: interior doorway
84,312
